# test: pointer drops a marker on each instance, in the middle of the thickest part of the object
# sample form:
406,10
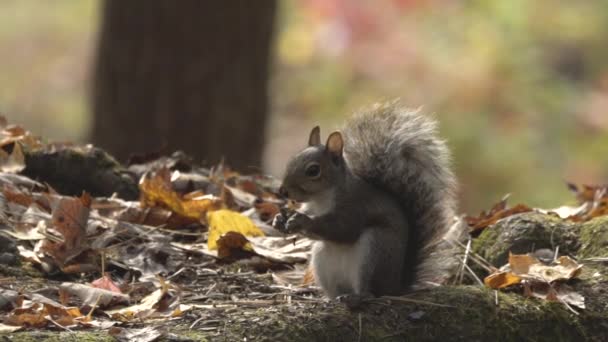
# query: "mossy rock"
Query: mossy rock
525,233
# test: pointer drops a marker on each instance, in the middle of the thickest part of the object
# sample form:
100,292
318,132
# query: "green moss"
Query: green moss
594,238
524,233
24,269
188,335
43,336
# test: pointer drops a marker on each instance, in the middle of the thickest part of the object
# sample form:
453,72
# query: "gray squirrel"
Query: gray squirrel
378,197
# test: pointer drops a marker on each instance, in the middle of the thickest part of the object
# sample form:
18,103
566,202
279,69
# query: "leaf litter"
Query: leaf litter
121,263
535,276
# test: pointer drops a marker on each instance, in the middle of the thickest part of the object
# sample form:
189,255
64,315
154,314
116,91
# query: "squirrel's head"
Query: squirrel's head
316,168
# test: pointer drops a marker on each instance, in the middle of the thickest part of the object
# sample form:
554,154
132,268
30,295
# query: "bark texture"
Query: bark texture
189,75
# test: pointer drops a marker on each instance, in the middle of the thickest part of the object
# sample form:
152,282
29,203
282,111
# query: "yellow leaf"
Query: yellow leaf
157,189
224,221
501,280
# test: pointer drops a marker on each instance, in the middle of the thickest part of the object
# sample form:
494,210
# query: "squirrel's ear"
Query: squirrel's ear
335,144
315,137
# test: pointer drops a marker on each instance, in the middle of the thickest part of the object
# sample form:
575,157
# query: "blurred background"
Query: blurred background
520,87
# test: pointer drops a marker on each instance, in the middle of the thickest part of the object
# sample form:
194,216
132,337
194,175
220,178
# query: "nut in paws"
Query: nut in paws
279,222
297,223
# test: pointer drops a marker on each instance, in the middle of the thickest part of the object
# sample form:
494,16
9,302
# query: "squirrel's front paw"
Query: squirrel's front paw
297,223
279,222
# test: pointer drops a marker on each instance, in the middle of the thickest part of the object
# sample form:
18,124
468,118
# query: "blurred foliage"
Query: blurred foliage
46,49
520,87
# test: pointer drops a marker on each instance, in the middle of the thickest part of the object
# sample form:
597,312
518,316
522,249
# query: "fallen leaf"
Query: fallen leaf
163,302
501,280
498,211
146,334
16,196
7,329
13,162
266,210
556,293
37,311
156,190
70,219
528,267
231,242
92,295
291,249
224,221
106,283
594,200
8,297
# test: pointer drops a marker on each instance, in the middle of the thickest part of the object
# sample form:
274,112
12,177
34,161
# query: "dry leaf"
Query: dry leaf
291,249
13,162
224,221
528,267
309,277
34,313
164,302
8,297
70,218
594,200
556,293
106,283
7,329
501,280
146,334
91,295
157,190
498,211
266,210
230,243
16,196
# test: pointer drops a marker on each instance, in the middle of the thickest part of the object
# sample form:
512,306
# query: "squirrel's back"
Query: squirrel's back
399,151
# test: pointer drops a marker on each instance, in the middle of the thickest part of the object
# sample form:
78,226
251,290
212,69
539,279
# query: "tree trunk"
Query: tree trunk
189,75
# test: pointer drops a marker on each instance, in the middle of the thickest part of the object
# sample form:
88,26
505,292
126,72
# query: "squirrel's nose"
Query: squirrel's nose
283,191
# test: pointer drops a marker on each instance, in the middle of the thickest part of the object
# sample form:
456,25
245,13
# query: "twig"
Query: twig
416,301
474,276
597,259
196,322
57,324
90,314
464,260
478,259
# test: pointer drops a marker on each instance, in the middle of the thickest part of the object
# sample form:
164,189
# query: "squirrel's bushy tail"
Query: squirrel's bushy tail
399,150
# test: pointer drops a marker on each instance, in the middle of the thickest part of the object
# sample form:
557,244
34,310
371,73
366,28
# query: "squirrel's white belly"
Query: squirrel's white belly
337,267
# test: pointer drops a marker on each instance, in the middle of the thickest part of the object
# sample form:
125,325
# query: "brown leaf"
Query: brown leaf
106,283
594,199
13,162
231,243
70,217
501,280
528,267
16,196
266,210
498,211
92,295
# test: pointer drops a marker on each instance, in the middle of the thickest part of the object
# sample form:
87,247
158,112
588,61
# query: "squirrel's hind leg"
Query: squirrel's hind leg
380,257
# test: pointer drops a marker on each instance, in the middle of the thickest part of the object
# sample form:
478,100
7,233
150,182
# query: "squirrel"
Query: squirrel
377,198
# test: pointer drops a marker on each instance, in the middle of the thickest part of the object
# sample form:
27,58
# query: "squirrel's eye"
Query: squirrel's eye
313,170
